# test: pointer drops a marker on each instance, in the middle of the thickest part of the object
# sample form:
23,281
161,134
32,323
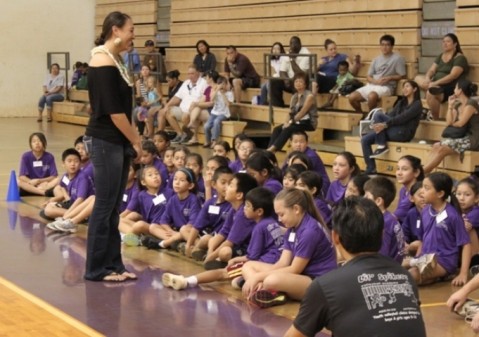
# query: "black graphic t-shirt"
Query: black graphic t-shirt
370,296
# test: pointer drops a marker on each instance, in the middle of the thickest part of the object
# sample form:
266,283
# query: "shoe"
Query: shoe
182,248
188,132
238,282
379,152
469,308
199,255
206,145
131,240
213,143
184,138
175,244
474,270
192,142
66,226
177,282
150,242
215,264
51,225
267,298
177,139
371,173
39,120
426,264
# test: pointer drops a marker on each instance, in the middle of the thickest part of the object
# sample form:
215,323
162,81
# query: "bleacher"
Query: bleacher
253,26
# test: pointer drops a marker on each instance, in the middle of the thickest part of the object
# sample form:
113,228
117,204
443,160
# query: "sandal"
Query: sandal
114,278
192,142
49,120
129,276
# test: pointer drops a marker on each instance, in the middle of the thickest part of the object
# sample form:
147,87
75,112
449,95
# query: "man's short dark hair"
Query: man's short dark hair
70,152
149,43
245,183
359,224
387,38
261,197
381,187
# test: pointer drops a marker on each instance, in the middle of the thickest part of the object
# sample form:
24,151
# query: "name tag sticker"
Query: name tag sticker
441,216
159,199
418,223
214,209
65,180
37,163
125,197
292,237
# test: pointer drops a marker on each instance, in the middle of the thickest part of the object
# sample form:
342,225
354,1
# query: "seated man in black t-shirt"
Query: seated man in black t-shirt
370,295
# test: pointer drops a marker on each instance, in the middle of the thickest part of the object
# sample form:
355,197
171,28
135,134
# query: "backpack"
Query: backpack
82,83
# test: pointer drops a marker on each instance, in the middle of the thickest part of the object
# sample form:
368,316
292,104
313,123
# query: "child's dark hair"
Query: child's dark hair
225,145
473,185
173,74
351,162
140,175
220,160
240,137
468,88
268,154
381,187
70,152
261,197
302,157
219,171
197,157
221,80
163,135
299,133
343,64
149,147
41,137
181,148
415,164
213,74
359,224
303,199
359,182
190,177
78,141
415,187
259,162
312,179
294,171
443,182
244,183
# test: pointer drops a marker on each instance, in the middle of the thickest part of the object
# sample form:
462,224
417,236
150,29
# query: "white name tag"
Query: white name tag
65,180
418,223
292,237
37,163
214,209
441,216
159,199
125,197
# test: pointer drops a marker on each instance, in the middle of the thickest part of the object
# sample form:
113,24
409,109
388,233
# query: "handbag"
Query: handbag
349,86
455,132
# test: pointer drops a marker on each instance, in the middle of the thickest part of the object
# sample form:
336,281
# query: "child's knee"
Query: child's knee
225,254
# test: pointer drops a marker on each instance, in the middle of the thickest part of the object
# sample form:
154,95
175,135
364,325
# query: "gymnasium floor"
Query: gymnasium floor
43,271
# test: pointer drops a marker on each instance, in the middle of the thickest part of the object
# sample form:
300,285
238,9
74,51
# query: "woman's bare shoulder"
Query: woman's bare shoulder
100,59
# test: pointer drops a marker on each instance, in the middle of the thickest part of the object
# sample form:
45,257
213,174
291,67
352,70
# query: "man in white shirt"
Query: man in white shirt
288,68
179,107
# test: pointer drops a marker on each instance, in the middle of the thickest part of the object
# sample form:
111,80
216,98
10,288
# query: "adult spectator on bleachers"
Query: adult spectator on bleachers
275,63
77,72
302,117
204,60
52,92
398,126
132,54
240,71
82,83
290,66
328,68
440,80
174,84
384,73
154,60
141,95
179,107
462,131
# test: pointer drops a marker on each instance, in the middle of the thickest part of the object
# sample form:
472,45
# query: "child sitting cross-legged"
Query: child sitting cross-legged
265,244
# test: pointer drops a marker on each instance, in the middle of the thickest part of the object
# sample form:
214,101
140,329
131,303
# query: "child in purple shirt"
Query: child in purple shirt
266,242
149,157
262,169
307,253
38,172
311,181
444,235
146,208
467,194
344,168
180,153
212,164
382,191
194,162
181,209
409,171
412,224
244,149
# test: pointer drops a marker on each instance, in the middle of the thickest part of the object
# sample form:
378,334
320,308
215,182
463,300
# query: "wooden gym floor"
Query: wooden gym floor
43,293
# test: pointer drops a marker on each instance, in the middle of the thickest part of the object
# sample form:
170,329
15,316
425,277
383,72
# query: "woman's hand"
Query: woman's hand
378,127
138,150
451,101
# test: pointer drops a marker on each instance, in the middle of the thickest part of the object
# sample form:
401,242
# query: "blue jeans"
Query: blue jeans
111,166
213,127
48,100
393,133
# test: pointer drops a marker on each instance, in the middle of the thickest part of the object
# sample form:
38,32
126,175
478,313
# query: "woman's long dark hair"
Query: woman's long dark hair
117,19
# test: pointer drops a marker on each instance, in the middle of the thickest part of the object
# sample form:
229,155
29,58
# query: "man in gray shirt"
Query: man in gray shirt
383,74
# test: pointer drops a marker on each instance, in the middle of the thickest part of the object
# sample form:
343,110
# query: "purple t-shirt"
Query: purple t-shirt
318,167
128,196
163,170
201,188
88,171
34,168
404,204
273,185
324,209
443,234
150,206
393,238
78,187
330,67
266,241
212,216
336,192
181,212
473,217
237,229
311,241
237,166
412,225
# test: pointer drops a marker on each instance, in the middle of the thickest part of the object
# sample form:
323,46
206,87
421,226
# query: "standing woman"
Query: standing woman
204,60
112,142
52,91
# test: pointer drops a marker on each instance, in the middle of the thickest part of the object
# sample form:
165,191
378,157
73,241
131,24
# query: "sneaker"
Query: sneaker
238,282
426,263
66,226
189,133
184,138
181,248
215,264
131,240
267,298
51,225
474,270
177,139
150,242
469,308
199,255
379,152
176,282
